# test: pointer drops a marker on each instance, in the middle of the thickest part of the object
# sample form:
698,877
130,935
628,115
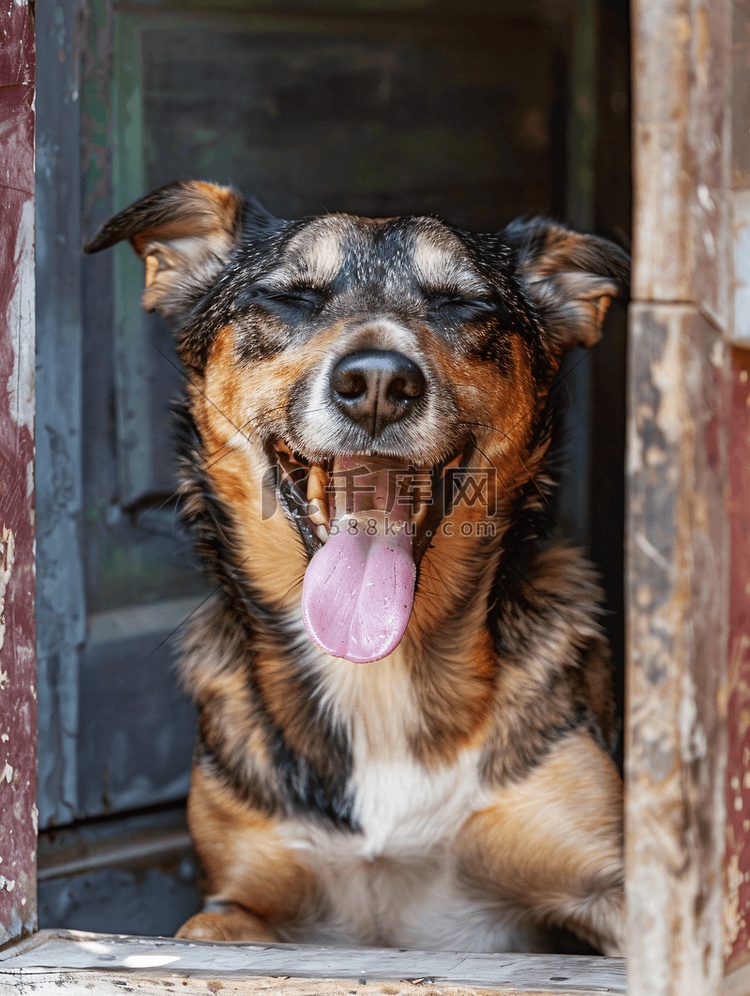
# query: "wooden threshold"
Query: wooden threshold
72,961
737,983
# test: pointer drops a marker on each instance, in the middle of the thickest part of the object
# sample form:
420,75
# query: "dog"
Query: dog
406,713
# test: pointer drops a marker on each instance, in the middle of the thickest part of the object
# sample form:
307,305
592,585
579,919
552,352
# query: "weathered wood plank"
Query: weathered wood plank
737,886
709,155
112,981
136,961
740,332
740,146
663,250
678,555
681,155
73,984
61,614
737,983
740,88
17,653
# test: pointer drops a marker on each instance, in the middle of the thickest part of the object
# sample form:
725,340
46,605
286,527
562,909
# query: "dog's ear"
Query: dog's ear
570,278
184,232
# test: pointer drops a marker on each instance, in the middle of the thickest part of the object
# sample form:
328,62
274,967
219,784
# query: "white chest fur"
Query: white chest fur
406,810
394,880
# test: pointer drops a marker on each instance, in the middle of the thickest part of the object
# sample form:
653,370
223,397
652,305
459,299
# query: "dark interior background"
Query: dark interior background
477,112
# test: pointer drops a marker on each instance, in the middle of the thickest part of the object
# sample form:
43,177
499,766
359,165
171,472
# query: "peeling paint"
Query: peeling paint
742,266
650,550
732,921
17,635
665,371
21,380
737,857
7,559
692,735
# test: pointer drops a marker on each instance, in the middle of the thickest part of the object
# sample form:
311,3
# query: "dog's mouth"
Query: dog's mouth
365,522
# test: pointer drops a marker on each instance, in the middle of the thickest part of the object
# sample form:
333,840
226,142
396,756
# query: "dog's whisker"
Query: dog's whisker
532,478
174,496
198,388
557,385
226,447
239,432
183,621
190,614
487,425
175,515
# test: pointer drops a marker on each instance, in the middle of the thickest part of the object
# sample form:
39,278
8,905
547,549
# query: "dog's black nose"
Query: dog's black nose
376,387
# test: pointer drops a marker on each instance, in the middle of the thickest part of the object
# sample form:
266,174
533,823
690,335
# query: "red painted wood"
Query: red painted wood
737,916
17,653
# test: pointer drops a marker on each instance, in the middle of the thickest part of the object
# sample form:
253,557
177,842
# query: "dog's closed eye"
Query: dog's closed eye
300,297
458,304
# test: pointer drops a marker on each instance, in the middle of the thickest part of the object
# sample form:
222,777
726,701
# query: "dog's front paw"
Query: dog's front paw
227,922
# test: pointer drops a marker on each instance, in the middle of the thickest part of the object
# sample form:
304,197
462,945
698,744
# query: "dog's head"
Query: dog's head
368,374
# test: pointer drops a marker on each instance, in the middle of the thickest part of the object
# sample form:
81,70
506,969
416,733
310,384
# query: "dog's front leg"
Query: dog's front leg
547,851
223,921
252,883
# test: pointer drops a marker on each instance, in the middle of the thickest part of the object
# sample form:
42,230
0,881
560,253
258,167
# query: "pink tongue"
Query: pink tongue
359,587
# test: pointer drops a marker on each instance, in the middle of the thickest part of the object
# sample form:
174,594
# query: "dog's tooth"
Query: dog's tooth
152,268
286,457
322,533
317,479
317,512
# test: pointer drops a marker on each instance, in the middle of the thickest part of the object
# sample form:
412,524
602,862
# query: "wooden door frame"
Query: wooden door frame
18,813
690,76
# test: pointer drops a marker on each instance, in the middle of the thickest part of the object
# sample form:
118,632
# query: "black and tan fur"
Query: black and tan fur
458,793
